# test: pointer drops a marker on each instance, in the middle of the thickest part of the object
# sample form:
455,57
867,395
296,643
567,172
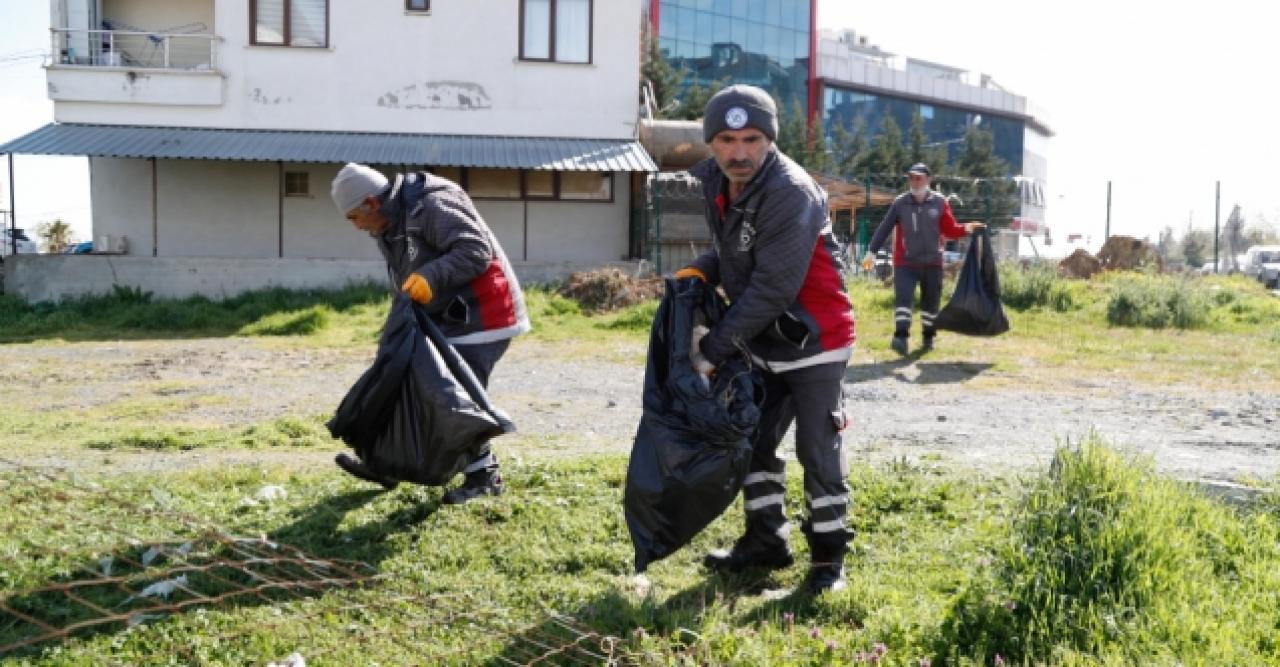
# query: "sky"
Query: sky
1161,100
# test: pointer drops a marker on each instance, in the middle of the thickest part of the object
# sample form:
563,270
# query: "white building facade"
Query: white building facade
214,127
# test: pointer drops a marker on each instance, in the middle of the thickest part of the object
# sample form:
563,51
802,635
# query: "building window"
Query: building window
531,184
417,5
556,30
297,184
290,22
493,183
586,186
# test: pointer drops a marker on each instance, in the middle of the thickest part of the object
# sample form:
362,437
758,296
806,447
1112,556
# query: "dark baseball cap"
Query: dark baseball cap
919,168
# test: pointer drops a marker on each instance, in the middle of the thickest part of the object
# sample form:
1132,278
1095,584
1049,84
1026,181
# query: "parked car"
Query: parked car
1263,262
81,248
25,245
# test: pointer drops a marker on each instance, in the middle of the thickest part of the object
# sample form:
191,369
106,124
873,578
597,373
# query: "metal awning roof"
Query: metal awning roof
334,147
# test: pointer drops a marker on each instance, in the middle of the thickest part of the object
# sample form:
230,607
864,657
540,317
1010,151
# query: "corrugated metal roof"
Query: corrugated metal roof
337,147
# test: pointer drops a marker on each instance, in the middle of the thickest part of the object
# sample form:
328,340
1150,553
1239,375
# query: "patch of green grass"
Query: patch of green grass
1105,559
129,313
1098,561
288,432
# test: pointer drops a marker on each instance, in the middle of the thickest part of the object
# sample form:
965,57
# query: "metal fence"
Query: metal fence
140,50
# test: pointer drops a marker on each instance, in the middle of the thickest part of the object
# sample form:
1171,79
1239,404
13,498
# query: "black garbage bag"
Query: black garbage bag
418,414
693,446
975,307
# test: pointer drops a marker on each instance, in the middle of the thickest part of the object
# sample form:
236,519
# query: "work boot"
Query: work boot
749,552
357,468
827,571
927,346
899,345
474,485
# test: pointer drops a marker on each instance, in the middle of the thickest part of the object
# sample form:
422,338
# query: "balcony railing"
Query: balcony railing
135,50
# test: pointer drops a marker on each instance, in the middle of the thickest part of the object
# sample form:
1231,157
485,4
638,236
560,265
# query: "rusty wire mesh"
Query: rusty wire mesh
199,565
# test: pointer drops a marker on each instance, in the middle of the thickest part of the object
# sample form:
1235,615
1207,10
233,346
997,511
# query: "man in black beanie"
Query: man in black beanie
777,260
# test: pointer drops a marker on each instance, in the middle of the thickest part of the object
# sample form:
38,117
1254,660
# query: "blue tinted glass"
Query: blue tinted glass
755,38
667,46
790,15
722,29
686,24
706,27
667,21
704,5
738,31
802,45
772,12
723,7
755,10
802,14
772,42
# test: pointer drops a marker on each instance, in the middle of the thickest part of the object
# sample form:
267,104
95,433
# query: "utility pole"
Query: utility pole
1106,236
1217,212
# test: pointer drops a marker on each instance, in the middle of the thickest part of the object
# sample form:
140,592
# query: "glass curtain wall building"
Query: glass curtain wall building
943,125
765,43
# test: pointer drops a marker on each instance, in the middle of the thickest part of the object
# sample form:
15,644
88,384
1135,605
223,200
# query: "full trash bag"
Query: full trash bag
975,307
418,414
693,446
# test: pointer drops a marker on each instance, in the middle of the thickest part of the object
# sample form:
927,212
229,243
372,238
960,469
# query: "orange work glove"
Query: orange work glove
691,272
417,288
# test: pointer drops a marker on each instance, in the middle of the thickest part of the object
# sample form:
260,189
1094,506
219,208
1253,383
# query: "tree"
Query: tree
1196,246
55,236
987,190
919,150
1261,232
662,77
888,156
850,149
794,140
1232,240
1168,244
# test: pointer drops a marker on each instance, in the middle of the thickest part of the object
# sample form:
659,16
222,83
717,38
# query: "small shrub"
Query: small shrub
1157,302
1035,286
1108,558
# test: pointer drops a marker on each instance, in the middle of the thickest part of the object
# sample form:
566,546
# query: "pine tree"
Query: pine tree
888,157
987,190
665,79
1195,246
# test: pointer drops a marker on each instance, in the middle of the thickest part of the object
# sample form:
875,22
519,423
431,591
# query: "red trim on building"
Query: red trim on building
655,7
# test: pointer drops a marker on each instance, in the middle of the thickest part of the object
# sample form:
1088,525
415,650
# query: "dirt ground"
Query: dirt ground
921,410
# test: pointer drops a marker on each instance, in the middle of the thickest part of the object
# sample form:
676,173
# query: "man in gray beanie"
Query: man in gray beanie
774,254
441,253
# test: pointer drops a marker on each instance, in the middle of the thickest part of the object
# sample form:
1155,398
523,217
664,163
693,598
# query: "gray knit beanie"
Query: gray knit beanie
740,106
353,183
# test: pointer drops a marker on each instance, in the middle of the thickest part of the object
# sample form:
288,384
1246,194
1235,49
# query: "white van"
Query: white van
1263,262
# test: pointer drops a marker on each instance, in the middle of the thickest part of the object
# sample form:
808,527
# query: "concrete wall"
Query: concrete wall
39,278
393,71
233,209
121,194
209,210
314,228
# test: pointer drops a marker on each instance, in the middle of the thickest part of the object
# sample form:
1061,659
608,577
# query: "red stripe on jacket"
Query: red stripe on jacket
493,293
822,296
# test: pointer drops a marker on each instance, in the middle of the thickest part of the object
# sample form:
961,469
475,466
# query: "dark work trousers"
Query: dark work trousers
482,358
905,279
813,398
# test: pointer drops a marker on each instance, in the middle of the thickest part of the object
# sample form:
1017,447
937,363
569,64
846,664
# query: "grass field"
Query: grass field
1095,560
